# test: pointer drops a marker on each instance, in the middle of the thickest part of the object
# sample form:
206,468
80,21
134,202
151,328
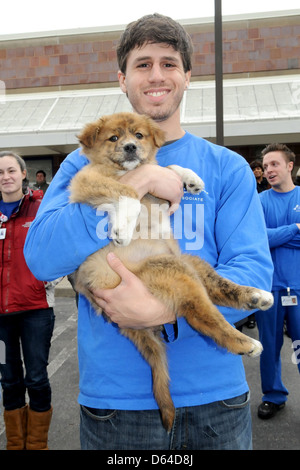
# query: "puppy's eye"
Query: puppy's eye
139,135
114,138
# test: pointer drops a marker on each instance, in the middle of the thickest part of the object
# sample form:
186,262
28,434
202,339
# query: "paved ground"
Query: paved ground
279,433
282,431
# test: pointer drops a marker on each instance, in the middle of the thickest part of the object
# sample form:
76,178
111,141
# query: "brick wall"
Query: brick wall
261,46
58,63
249,46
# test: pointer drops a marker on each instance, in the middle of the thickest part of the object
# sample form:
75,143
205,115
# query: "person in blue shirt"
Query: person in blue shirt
281,205
224,225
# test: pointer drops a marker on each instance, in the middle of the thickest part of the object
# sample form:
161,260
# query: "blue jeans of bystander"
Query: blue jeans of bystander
31,330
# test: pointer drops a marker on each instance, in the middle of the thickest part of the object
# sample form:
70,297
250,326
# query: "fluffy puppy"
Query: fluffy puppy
186,284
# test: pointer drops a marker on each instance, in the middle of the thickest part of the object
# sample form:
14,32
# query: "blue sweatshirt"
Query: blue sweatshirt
225,225
282,212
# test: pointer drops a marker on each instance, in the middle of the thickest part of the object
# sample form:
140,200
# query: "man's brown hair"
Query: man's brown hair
288,154
152,29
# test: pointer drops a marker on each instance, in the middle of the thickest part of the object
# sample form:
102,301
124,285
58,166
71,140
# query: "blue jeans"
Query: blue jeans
223,425
31,330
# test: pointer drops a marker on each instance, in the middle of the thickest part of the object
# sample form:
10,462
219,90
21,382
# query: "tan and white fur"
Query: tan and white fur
185,283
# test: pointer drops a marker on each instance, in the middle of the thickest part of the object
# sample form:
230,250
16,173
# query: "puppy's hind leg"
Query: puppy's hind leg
224,292
151,346
172,281
204,317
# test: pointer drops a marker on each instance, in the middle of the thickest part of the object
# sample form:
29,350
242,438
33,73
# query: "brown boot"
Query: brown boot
15,427
37,429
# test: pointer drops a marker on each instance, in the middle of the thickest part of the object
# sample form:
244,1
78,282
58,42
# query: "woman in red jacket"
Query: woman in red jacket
26,316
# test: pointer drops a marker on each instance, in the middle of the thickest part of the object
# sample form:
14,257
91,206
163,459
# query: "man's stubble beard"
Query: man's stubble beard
157,115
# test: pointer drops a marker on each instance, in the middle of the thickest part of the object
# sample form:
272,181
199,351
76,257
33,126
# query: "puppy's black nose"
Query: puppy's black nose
130,148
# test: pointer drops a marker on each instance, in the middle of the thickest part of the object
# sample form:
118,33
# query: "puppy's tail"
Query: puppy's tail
151,346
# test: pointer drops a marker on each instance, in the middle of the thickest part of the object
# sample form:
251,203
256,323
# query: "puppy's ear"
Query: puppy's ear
157,134
89,134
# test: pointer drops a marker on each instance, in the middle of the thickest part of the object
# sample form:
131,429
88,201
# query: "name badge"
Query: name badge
2,233
289,300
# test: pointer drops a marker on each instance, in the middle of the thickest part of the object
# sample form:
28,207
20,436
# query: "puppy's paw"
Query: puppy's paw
260,299
192,182
124,221
256,349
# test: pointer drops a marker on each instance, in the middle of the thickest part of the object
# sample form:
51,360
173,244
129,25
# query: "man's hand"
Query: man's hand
158,181
130,304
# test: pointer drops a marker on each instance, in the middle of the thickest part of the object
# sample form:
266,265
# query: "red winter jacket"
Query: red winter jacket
19,289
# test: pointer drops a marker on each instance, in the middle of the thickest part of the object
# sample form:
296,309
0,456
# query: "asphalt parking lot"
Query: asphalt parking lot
279,433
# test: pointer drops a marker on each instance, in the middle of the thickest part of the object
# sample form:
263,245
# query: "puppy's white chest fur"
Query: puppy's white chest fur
153,222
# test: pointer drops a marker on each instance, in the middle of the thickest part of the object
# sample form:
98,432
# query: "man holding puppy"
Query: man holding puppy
224,225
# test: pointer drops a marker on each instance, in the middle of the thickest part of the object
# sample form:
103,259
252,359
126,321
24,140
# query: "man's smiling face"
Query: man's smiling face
155,80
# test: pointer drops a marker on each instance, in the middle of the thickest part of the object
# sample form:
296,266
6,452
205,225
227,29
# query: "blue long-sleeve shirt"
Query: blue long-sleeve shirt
224,225
282,213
